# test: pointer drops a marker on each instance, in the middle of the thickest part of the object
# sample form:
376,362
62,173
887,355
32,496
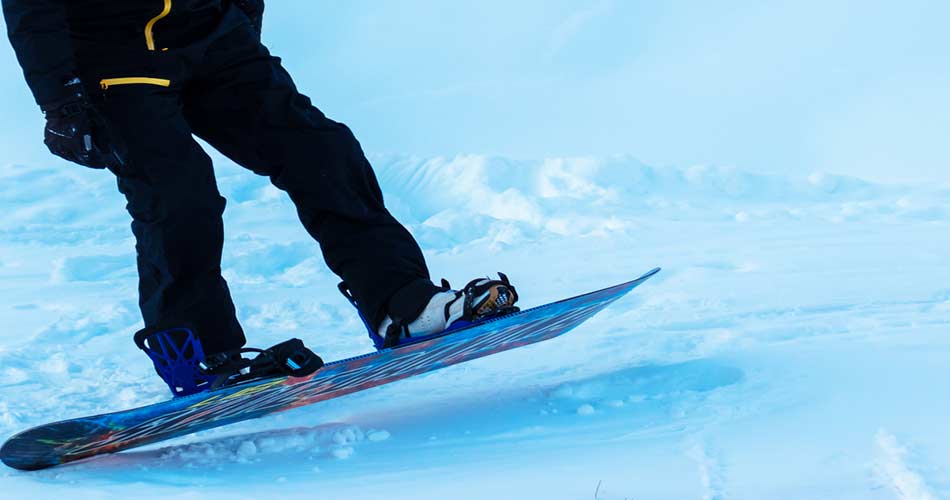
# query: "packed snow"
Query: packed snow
795,346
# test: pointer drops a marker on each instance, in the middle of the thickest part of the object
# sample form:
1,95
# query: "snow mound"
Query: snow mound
507,201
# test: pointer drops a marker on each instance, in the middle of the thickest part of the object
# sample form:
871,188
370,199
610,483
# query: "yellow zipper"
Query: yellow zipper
149,38
133,80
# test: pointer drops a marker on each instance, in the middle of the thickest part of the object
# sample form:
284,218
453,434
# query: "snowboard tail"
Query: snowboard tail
71,440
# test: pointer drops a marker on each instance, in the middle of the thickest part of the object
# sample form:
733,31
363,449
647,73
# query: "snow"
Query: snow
795,346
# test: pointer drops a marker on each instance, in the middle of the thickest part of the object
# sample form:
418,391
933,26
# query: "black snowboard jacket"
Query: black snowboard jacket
43,32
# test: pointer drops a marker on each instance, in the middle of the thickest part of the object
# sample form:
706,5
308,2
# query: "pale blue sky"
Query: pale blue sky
855,87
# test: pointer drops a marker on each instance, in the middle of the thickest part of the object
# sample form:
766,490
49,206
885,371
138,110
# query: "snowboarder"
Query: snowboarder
126,84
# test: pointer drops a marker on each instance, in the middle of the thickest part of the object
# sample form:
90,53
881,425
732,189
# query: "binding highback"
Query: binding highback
177,355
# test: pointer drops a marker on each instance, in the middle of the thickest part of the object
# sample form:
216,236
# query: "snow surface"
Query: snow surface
795,346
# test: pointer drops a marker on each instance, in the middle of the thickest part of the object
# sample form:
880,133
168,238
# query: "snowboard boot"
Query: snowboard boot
181,362
446,310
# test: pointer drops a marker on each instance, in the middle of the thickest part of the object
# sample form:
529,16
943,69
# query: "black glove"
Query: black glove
75,131
254,10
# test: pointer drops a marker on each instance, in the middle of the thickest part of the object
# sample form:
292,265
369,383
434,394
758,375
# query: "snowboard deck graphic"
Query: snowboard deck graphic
71,440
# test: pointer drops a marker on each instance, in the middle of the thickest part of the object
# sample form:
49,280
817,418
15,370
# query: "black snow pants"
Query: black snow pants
228,90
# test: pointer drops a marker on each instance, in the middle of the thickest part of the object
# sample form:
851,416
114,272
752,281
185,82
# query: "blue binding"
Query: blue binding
378,341
177,361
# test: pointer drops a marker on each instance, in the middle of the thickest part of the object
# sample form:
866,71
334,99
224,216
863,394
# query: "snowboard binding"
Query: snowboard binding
449,310
487,298
181,362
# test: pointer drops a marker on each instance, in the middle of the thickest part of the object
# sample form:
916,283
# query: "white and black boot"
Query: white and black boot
452,309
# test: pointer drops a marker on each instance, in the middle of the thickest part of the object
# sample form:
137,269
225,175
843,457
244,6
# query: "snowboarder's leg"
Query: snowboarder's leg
246,105
176,210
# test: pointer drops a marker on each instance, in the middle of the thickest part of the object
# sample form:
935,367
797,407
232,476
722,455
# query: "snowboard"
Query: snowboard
70,440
